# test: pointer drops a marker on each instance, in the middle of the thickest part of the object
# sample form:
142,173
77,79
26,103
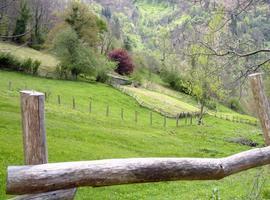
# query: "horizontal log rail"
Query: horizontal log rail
56,176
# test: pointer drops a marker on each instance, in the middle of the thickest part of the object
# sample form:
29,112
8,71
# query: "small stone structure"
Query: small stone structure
118,80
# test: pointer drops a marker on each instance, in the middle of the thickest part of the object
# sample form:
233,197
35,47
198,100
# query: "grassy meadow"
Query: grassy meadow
76,134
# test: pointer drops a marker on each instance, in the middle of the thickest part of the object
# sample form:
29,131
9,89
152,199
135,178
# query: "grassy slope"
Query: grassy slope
77,135
48,62
166,100
159,101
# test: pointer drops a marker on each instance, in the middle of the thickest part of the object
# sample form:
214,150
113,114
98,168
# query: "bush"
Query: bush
235,105
8,61
212,105
125,65
176,81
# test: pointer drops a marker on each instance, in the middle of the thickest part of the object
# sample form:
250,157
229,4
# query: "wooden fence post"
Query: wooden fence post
59,100
136,116
90,106
34,138
107,111
34,141
165,121
151,118
177,120
9,85
191,119
185,114
73,103
262,104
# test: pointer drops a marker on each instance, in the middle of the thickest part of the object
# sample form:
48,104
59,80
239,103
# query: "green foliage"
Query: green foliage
4,23
235,105
8,61
85,23
74,56
127,44
77,58
176,81
22,22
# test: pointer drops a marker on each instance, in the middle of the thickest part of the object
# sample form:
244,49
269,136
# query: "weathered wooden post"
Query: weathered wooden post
59,100
177,120
262,104
90,106
73,103
107,111
165,121
9,85
185,114
34,138
34,141
151,118
136,116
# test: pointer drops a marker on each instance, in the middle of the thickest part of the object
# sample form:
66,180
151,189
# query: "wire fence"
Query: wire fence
130,116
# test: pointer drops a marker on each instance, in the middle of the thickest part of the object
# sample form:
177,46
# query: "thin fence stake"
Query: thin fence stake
107,111
165,121
9,85
90,106
59,100
73,103
185,114
151,118
177,121
191,119
136,117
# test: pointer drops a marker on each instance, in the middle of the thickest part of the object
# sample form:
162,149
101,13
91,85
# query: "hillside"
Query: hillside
78,135
48,61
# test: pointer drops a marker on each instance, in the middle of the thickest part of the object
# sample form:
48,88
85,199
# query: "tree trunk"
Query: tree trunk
200,120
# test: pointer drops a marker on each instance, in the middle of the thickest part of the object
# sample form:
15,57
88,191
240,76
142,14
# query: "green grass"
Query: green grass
48,62
74,135
160,102
171,102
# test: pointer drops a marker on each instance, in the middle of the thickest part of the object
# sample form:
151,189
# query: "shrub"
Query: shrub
35,67
235,105
176,81
8,61
125,65
211,105
26,65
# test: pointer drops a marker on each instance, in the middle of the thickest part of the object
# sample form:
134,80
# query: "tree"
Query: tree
128,44
22,22
74,56
85,23
125,65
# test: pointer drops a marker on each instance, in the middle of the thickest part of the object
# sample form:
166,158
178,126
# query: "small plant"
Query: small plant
215,194
35,67
26,65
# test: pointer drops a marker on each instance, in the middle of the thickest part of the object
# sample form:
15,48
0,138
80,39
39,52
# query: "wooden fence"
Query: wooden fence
59,180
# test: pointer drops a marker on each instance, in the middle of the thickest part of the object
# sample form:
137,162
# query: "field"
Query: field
76,134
